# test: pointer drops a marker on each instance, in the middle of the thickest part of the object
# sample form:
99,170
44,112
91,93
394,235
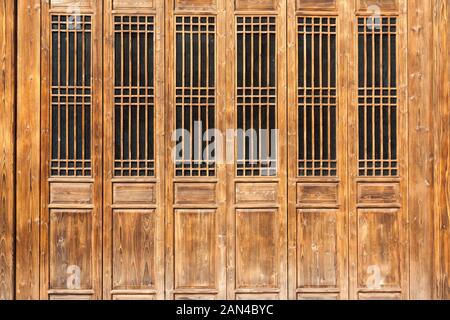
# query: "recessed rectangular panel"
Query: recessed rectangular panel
76,297
380,296
188,297
256,193
71,3
317,264
133,4
316,4
373,5
195,193
256,4
378,249
71,193
379,194
317,194
318,296
134,193
134,249
133,297
70,242
195,233
257,296
195,4
257,251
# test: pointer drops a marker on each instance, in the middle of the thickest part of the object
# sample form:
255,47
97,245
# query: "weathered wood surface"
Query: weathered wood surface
28,149
227,236
7,147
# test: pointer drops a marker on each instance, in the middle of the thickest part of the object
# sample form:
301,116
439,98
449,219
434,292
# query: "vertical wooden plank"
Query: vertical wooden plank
441,119
28,155
7,119
421,161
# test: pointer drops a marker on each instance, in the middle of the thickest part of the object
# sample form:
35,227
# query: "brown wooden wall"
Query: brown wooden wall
425,209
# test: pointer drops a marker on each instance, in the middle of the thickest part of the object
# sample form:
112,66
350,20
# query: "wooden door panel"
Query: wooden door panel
71,150
378,194
195,246
384,5
134,249
317,244
257,252
316,4
317,108
378,249
195,228
256,176
256,4
133,4
134,150
70,244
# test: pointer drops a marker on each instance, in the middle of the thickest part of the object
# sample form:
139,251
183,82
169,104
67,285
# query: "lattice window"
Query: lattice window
134,96
195,55
377,96
256,95
71,95
317,97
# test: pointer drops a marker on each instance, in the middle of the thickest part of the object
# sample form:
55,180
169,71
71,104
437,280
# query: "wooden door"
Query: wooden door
134,165
318,36
256,146
71,150
196,176
378,152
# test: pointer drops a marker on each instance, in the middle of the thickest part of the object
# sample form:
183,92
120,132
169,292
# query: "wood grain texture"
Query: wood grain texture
134,249
317,245
71,250
257,252
7,149
441,119
195,246
316,4
28,150
226,236
421,160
